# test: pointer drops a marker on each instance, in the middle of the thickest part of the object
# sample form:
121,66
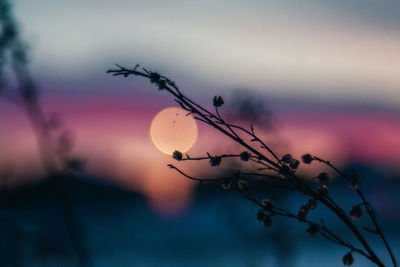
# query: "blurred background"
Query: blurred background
320,77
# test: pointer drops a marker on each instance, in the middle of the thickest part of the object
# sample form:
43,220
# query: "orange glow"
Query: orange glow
173,129
114,138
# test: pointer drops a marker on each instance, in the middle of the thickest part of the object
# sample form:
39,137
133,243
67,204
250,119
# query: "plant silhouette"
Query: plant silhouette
275,171
54,142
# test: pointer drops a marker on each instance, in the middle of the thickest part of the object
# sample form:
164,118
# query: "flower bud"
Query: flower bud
348,259
267,204
218,101
307,158
356,212
354,182
261,215
302,213
312,203
294,164
311,229
162,84
286,158
284,170
215,161
267,221
154,77
245,156
177,155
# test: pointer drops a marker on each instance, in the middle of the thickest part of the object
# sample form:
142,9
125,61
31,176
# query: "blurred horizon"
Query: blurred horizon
328,75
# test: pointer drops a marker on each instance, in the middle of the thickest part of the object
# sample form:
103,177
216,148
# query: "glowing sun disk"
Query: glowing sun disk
172,129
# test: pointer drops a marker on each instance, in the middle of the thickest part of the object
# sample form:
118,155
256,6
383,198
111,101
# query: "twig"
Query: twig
286,168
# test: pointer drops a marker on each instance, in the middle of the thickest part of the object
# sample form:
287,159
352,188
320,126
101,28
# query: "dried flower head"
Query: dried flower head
267,204
306,158
218,101
356,212
245,156
177,155
261,215
286,158
323,190
284,170
215,161
311,229
302,213
267,221
155,77
294,164
348,259
323,177
226,184
354,182
243,186
311,203
162,84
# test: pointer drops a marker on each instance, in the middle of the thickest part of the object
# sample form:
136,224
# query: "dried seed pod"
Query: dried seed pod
155,77
284,170
267,204
286,158
177,155
218,101
303,208
356,212
215,161
307,158
162,84
312,203
294,164
302,213
348,259
267,221
261,215
354,182
245,156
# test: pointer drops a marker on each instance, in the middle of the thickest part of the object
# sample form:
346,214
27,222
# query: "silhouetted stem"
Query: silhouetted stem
218,123
29,95
329,235
368,207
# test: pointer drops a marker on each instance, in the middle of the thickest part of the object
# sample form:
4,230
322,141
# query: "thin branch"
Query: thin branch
281,168
368,207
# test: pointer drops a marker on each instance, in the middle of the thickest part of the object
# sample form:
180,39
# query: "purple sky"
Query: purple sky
329,71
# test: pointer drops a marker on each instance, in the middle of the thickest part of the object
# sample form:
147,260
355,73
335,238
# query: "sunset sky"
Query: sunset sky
329,74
